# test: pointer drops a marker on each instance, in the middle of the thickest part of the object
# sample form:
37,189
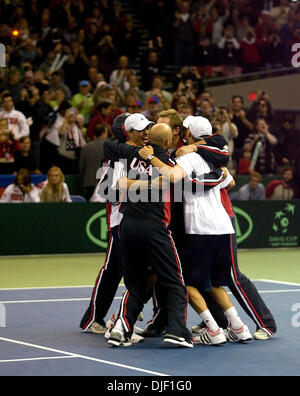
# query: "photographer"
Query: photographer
56,82
22,190
157,90
71,141
229,131
265,164
261,108
51,139
191,74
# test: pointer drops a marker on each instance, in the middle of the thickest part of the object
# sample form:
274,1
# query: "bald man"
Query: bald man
161,135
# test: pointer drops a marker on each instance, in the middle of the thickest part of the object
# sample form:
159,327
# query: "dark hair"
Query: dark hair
57,73
238,96
287,168
288,118
158,76
65,105
104,104
118,129
23,138
7,95
224,108
256,175
100,129
26,176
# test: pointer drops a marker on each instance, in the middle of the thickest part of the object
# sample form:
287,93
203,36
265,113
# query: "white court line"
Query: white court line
49,287
119,298
83,357
122,285
278,282
45,287
279,291
39,358
49,300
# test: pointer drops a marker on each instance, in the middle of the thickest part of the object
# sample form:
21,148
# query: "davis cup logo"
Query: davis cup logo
243,224
283,232
96,229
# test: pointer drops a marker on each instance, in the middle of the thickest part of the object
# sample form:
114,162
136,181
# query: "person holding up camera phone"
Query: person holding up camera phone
71,141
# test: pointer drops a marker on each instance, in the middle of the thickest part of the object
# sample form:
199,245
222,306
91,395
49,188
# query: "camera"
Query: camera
72,112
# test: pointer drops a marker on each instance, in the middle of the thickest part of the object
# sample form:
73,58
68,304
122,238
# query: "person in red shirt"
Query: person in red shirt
102,116
245,161
284,188
250,56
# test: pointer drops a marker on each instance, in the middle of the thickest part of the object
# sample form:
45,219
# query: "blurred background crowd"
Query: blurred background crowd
72,66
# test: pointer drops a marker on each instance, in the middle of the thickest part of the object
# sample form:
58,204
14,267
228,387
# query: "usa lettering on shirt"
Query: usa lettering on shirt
141,167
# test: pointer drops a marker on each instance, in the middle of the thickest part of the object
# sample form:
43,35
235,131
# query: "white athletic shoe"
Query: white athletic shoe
135,338
261,335
118,339
208,337
238,335
97,328
178,341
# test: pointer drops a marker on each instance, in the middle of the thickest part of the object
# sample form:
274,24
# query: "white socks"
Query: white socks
210,322
233,318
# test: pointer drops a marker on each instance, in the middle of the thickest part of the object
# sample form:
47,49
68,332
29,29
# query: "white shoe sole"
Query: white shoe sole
183,344
219,343
117,343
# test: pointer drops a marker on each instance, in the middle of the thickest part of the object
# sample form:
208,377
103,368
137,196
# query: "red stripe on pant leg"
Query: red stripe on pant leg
180,276
93,298
241,289
125,310
97,283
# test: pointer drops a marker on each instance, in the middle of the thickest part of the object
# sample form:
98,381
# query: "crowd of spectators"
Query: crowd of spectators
71,70
226,37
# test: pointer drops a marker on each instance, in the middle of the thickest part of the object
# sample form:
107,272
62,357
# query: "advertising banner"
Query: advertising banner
82,228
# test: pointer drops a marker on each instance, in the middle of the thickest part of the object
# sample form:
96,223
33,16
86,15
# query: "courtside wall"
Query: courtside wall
70,228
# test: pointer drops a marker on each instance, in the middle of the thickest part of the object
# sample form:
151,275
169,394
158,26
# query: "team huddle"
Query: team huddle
171,236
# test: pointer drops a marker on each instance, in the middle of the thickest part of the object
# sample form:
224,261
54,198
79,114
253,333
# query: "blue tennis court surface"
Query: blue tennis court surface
42,337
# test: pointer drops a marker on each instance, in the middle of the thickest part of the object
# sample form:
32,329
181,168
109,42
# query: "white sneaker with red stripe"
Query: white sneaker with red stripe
209,337
238,335
135,338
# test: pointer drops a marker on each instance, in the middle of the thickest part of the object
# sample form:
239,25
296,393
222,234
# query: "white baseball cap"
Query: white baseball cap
198,126
136,121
